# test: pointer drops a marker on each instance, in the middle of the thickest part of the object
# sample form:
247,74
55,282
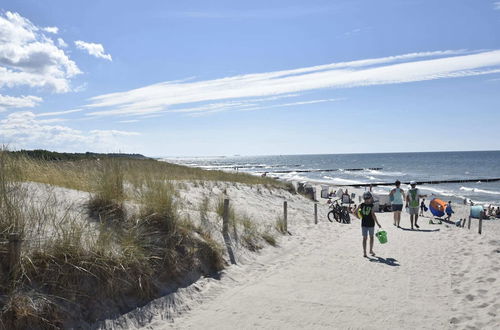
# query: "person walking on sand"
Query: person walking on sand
412,202
368,220
422,207
397,196
449,211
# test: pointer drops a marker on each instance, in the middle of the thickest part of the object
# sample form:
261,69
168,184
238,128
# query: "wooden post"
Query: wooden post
468,225
480,223
285,217
14,250
225,231
225,217
316,213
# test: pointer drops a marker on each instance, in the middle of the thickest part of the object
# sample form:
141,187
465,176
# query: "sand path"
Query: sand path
319,279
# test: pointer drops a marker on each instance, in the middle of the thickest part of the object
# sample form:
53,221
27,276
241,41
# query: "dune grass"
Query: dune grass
82,174
75,273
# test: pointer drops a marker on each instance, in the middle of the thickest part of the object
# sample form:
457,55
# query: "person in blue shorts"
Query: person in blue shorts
368,220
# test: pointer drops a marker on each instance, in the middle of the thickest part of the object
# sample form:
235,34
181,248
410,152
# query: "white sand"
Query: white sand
437,277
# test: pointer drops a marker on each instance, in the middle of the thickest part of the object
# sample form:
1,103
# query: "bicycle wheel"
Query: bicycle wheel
333,215
345,217
330,216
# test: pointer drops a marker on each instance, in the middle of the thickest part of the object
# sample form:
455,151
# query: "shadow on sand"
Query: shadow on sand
420,230
388,261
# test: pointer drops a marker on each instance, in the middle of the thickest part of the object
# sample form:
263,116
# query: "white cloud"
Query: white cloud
378,71
61,43
51,29
93,49
496,5
25,130
29,58
252,107
128,121
18,102
58,113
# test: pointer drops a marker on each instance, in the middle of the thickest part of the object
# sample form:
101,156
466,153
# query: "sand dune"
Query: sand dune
437,277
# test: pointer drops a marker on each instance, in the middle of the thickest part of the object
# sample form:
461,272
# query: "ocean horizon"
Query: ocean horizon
366,168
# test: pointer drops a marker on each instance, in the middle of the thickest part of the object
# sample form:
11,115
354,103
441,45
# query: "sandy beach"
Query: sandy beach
438,277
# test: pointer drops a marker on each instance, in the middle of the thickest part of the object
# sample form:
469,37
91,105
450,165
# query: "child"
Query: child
368,220
449,211
422,207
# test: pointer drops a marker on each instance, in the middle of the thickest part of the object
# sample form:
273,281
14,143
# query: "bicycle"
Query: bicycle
338,212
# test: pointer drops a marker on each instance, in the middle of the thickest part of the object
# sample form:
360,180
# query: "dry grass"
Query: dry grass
251,237
81,175
280,225
73,271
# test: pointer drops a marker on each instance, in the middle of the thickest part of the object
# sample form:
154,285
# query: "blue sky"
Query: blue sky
201,78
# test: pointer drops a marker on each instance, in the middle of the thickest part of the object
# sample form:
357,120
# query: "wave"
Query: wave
439,191
482,191
335,180
386,173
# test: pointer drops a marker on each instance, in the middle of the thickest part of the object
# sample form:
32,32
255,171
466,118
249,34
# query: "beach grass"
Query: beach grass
75,272
82,174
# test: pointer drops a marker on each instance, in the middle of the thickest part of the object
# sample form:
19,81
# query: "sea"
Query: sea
352,169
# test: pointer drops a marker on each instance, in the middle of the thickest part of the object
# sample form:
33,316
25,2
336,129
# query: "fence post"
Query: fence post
468,225
225,217
225,231
14,250
285,216
480,223
316,213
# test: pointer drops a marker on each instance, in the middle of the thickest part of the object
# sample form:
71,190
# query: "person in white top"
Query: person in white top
397,196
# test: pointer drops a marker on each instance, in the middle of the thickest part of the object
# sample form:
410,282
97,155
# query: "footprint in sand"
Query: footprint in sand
483,305
491,279
457,291
469,297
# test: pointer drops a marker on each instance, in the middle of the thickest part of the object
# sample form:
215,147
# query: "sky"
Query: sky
212,78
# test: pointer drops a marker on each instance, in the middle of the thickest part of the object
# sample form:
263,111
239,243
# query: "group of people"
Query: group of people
492,212
398,197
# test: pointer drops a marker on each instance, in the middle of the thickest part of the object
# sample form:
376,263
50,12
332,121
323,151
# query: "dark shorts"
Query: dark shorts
397,207
367,230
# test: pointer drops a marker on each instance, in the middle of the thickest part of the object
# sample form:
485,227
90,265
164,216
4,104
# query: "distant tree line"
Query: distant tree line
54,156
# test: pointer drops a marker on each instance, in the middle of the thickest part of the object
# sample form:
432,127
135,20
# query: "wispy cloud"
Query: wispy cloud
128,121
61,43
254,107
24,130
58,113
226,93
93,49
496,5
